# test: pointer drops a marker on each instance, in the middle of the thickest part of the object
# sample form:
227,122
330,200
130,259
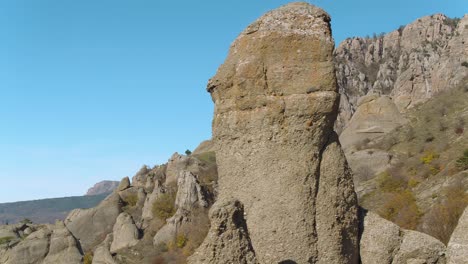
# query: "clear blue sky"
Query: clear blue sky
91,90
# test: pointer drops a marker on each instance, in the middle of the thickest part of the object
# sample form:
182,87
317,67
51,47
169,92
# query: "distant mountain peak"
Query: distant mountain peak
103,187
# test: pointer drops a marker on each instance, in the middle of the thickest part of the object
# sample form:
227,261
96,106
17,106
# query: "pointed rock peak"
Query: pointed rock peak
124,184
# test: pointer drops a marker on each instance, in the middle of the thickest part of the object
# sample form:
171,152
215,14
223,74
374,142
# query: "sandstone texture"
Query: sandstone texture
375,116
50,244
90,226
228,240
125,233
458,245
384,242
276,100
102,253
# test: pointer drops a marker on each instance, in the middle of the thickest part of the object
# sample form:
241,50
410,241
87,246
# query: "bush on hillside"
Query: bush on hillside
443,217
88,258
401,208
164,207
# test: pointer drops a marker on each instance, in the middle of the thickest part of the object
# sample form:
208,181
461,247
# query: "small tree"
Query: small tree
188,152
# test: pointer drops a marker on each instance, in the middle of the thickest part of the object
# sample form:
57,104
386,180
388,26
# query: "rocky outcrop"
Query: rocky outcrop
102,253
189,196
411,64
103,187
457,248
125,233
124,184
50,244
228,240
63,248
90,226
275,104
385,243
374,117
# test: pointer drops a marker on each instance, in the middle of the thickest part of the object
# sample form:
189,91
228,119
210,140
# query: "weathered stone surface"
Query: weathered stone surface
189,192
147,211
275,104
125,233
32,250
418,247
124,184
102,253
168,232
90,226
383,242
457,249
374,117
63,248
228,240
189,197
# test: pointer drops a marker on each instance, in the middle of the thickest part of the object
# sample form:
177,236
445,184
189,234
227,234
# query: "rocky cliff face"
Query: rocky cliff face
103,187
411,64
275,104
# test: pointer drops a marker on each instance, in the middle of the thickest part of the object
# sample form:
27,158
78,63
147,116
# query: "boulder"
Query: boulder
276,100
91,226
384,242
63,248
125,233
457,248
228,240
102,253
33,249
124,184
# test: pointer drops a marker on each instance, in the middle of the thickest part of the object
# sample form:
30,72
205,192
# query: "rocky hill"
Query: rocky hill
274,184
46,210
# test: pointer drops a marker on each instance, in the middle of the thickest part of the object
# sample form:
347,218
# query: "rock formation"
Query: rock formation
103,187
51,244
458,245
385,243
125,233
411,64
90,226
276,101
228,240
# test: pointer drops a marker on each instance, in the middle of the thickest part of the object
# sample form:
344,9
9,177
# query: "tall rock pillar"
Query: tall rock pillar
276,100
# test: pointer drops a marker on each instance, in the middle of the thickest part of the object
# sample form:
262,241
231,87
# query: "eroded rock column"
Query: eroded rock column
275,104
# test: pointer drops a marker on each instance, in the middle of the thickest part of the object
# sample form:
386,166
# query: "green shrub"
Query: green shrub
443,217
387,183
181,241
401,208
428,157
88,258
462,162
164,207
131,200
5,240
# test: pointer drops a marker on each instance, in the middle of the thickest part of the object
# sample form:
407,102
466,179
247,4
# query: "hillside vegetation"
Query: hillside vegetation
425,188
46,210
